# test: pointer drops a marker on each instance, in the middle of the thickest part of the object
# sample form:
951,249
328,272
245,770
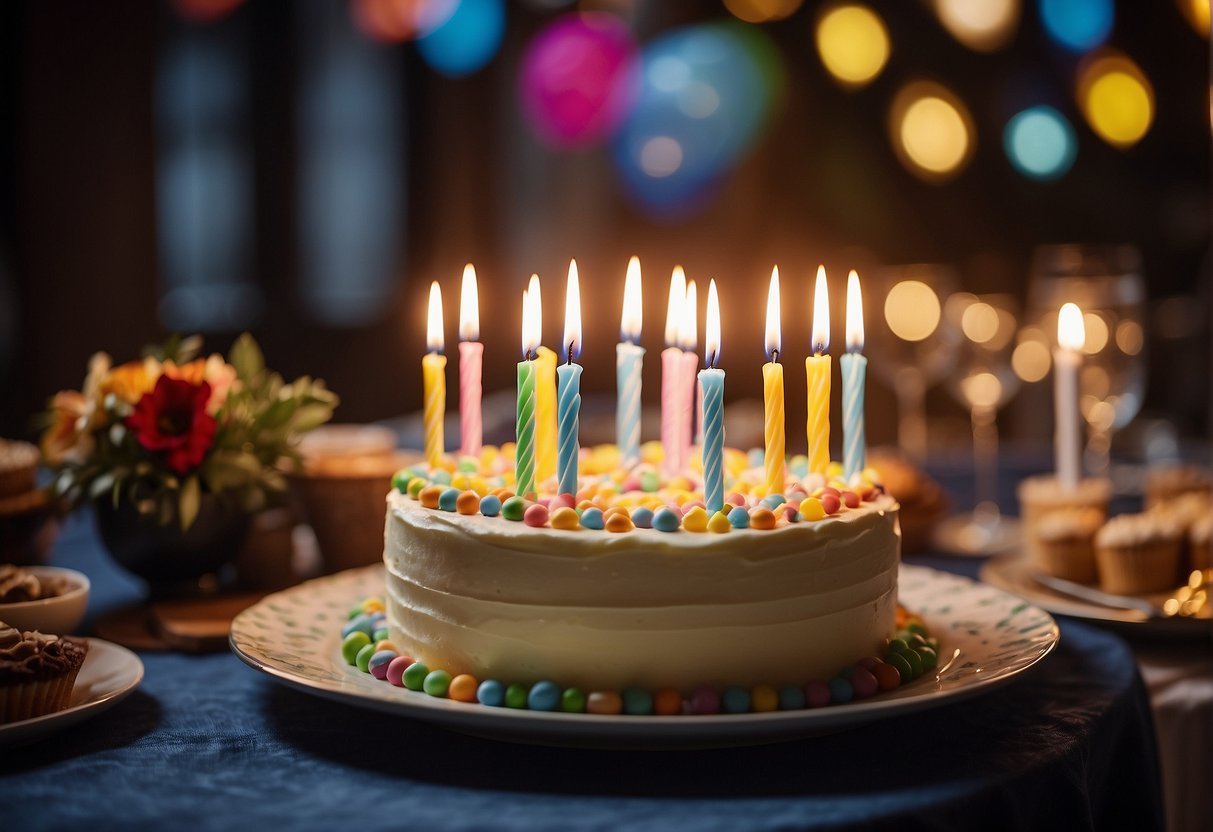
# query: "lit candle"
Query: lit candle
772,392
688,340
629,362
854,368
471,354
545,395
712,381
524,453
817,368
433,373
568,405
1067,361
671,376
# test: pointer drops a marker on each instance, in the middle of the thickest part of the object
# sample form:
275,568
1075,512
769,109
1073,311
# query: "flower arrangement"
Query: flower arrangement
166,429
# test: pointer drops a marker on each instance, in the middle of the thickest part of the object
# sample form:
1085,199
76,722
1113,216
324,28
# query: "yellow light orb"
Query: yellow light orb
979,322
912,310
1031,360
1116,99
1197,14
984,26
853,43
932,131
762,11
981,389
1096,332
1129,337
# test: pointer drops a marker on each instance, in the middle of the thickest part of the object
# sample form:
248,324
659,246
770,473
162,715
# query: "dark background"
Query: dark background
80,269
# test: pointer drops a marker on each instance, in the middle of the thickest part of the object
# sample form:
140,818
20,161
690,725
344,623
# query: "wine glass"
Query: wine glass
982,380
1106,283
916,343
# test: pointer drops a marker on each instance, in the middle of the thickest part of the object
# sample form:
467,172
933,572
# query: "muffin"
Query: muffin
1166,483
1065,544
1138,553
1188,510
1044,495
37,672
18,468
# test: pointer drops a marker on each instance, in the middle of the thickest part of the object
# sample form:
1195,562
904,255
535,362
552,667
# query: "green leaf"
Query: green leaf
246,357
189,502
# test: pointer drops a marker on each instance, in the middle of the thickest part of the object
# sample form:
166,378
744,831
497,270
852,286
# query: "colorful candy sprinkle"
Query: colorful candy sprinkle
363,660
762,518
436,683
764,698
695,520
352,644
620,522
637,701
516,695
565,518
705,700
812,509
544,696
491,693
642,517
735,700
490,505
395,670
605,702
430,494
591,518
468,502
667,702
513,508
573,701
414,676
739,518
664,520
462,688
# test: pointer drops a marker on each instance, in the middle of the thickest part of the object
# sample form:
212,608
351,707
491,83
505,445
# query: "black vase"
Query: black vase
172,561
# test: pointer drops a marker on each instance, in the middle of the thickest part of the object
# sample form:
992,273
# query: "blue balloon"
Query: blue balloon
467,40
705,94
1040,143
1078,25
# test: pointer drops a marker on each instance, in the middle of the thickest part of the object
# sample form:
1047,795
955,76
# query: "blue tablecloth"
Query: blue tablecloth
208,743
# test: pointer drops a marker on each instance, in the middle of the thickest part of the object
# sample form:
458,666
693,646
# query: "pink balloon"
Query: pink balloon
577,80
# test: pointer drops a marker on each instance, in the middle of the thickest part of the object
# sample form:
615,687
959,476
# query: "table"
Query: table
208,743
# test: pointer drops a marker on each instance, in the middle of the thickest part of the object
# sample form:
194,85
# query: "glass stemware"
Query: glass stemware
916,343
983,381
1106,283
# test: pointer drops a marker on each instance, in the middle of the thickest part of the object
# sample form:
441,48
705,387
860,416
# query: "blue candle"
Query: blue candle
568,393
711,380
854,369
629,362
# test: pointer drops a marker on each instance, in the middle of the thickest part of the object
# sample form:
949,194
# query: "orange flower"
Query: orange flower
130,381
216,372
63,440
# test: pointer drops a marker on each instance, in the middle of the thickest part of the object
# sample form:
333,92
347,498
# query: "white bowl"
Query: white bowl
59,615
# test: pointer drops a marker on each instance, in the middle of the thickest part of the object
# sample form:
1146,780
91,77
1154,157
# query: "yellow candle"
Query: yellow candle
545,400
817,368
433,372
772,392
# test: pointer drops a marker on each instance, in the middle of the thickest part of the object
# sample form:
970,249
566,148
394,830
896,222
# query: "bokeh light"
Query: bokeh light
1096,330
1031,359
397,20
205,11
1196,12
704,94
576,82
853,43
1116,99
467,40
981,25
1040,143
979,322
1077,25
1129,337
931,131
762,11
912,310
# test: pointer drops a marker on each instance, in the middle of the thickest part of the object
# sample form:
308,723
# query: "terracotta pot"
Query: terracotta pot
170,560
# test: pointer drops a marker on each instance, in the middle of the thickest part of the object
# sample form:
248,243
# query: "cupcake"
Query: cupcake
1200,543
1166,483
1044,495
1187,510
1065,544
37,672
1138,553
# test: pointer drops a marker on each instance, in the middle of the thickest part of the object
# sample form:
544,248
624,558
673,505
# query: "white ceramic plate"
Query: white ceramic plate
1014,574
109,674
987,638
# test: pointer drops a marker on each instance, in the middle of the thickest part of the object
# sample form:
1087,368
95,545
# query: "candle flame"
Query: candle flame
673,309
433,325
821,314
572,316
854,313
774,341
633,307
711,334
1071,329
469,306
532,319
688,327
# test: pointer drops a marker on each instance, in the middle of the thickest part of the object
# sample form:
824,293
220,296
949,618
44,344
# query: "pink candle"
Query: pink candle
471,354
672,369
688,340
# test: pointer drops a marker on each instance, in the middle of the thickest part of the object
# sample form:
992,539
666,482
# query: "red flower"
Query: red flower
172,419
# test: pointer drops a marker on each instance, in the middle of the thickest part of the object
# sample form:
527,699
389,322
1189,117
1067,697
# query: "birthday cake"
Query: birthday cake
624,586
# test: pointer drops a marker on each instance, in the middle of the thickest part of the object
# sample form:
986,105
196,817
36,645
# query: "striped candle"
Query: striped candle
471,359
568,395
524,452
629,364
712,381
433,373
817,369
854,368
